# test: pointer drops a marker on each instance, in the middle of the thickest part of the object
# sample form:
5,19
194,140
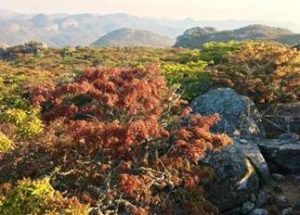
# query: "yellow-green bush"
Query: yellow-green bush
11,89
28,124
39,198
5,143
190,78
216,52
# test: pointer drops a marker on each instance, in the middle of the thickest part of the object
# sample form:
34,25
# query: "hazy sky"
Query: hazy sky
271,10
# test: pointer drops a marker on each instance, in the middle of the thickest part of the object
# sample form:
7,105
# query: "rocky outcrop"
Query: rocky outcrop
200,31
30,48
283,153
252,157
234,181
253,153
239,115
196,37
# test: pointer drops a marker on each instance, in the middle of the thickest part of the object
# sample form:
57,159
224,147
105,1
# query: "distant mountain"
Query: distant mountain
83,29
292,39
78,29
134,37
196,37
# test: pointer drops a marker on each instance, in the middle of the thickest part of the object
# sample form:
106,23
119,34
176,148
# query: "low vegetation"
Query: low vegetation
108,130
267,72
5,143
120,131
38,197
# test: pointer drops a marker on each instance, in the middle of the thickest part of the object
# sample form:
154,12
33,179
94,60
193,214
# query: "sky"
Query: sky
283,11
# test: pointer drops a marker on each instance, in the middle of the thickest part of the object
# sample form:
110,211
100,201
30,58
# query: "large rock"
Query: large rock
283,153
234,181
253,153
239,115
282,118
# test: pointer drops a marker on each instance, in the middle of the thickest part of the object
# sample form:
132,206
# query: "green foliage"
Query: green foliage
5,143
37,198
211,52
11,89
14,107
216,51
28,124
189,55
190,78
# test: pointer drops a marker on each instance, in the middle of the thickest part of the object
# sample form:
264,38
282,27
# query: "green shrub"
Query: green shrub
11,91
37,198
188,55
190,78
216,51
5,143
28,124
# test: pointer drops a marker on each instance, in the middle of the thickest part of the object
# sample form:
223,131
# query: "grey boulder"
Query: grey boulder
259,211
234,181
284,153
253,153
239,115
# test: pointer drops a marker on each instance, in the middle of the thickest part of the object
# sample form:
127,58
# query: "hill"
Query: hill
196,37
83,29
78,29
133,37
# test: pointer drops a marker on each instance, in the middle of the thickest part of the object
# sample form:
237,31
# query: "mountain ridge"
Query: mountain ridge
132,37
196,37
82,29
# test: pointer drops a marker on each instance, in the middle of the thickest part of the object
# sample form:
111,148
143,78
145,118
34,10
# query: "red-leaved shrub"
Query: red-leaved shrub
116,138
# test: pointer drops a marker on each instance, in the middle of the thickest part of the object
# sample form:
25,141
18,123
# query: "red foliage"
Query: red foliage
130,184
139,211
116,128
186,112
196,139
118,107
111,92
